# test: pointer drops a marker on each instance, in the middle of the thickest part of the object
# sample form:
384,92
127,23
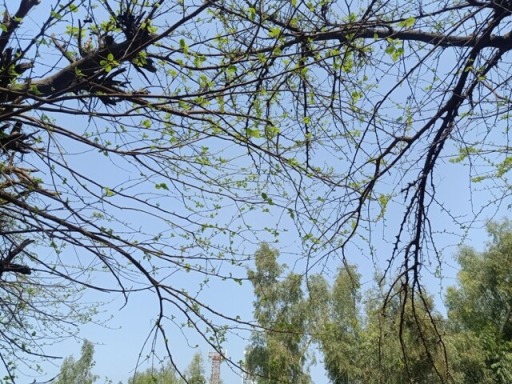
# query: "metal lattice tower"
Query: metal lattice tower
216,359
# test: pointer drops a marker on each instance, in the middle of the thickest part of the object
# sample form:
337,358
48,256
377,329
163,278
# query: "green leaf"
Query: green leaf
252,13
107,192
407,23
162,186
274,32
253,133
184,46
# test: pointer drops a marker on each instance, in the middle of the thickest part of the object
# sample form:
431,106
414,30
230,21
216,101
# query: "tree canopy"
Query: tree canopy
479,309
148,145
78,371
277,355
167,374
406,342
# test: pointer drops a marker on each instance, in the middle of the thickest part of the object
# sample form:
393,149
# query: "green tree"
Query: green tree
390,339
164,375
480,309
277,353
337,324
195,372
403,338
78,371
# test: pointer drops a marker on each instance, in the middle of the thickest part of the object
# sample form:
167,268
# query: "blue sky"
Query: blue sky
120,341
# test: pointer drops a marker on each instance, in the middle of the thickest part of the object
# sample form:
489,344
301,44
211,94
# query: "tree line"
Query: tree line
80,371
357,339
406,341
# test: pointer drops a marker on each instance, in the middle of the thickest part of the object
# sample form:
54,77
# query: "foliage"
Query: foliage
277,352
168,375
395,343
480,309
195,372
78,371
338,324
146,145
402,339
164,375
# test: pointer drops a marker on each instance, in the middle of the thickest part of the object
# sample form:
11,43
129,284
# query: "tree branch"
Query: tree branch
14,22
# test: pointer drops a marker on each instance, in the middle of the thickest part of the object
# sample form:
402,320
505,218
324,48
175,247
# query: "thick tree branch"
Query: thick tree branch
438,39
69,78
13,22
